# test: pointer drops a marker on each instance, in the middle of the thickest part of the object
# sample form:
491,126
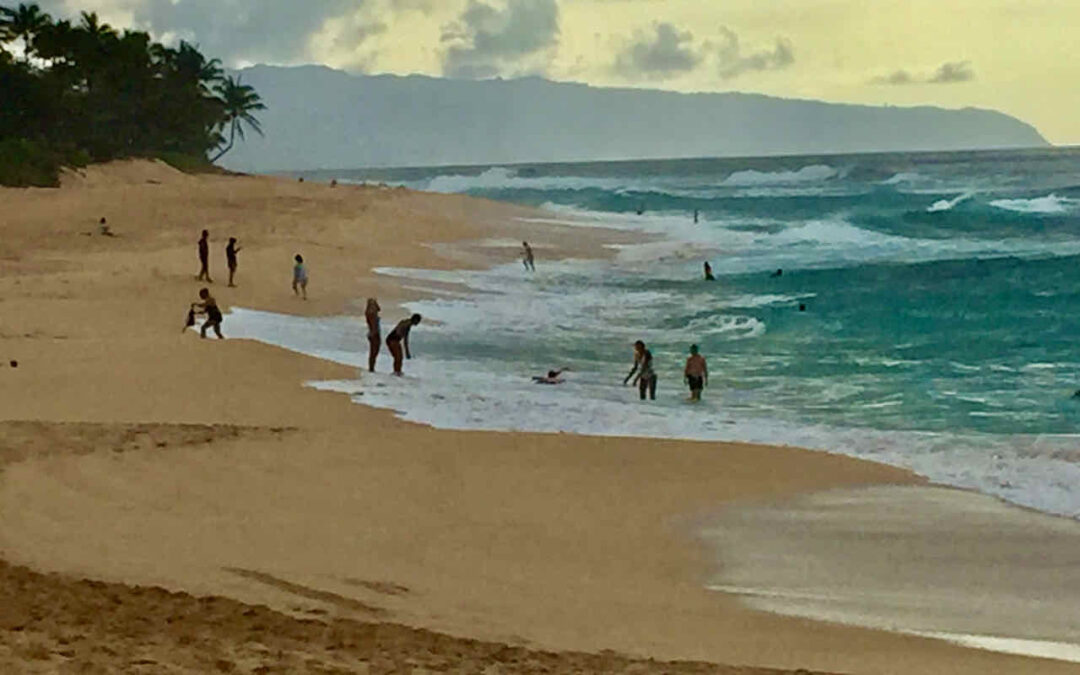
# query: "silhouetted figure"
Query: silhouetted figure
778,273
695,216
640,209
802,307
646,376
400,335
103,228
697,373
299,276
204,257
230,259
209,307
552,377
708,272
527,258
374,331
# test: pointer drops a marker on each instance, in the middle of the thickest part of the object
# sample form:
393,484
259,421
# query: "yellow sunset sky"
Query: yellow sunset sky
1016,56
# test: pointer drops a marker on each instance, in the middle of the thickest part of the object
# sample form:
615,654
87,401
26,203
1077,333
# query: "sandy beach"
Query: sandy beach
171,504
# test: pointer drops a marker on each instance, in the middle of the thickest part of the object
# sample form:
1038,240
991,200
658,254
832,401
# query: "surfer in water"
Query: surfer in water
708,272
552,377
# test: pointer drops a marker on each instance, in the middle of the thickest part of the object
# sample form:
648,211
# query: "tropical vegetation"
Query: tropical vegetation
75,92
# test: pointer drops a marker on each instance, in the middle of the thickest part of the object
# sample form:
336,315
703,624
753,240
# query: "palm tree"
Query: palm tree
239,101
25,22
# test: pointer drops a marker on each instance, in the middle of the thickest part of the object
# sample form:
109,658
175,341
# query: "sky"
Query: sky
1016,56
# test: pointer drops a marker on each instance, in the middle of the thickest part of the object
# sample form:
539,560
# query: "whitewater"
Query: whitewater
939,333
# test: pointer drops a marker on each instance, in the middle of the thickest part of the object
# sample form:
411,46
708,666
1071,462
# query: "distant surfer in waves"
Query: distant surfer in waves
552,377
708,272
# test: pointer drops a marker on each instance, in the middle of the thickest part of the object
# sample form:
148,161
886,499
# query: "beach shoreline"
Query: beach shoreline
141,455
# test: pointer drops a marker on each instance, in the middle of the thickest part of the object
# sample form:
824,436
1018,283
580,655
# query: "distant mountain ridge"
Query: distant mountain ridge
320,118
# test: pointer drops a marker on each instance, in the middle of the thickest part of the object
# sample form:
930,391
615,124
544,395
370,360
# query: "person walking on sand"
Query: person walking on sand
697,373
397,336
230,259
204,257
527,258
708,272
374,334
643,366
209,307
299,276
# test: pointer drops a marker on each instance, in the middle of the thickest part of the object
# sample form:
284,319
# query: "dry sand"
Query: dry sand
344,539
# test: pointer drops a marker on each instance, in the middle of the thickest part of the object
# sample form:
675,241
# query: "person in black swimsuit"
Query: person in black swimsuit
204,257
399,335
209,307
230,258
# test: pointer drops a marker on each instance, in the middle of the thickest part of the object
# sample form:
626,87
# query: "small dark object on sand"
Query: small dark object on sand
14,363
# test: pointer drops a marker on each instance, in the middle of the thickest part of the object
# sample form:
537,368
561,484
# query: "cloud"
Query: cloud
733,62
232,30
953,71
950,72
665,52
486,41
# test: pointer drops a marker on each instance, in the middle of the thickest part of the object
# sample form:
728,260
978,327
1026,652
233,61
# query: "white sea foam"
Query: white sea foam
903,177
808,174
949,204
1050,204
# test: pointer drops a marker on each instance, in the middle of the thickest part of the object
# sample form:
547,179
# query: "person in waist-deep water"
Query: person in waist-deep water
400,335
643,367
209,307
204,257
697,373
708,272
231,249
374,333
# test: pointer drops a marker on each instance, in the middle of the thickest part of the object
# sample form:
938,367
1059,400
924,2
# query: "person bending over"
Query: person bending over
697,373
643,367
400,335
209,307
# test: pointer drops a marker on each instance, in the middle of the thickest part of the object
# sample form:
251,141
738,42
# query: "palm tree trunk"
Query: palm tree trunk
232,139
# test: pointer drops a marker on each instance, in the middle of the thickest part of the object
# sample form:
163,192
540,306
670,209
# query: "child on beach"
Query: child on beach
397,336
697,373
230,258
209,307
646,376
374,336
299,276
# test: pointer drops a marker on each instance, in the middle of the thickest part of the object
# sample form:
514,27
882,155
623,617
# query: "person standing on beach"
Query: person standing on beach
299,276
708,272
527,258
209,307
230,258
204,257
646,376
697,373
374,334
397,336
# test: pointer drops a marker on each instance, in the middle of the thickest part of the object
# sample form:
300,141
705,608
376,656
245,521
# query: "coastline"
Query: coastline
548,541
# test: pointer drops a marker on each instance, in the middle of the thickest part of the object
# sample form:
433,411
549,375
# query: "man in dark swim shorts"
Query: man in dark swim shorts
400,335
697,373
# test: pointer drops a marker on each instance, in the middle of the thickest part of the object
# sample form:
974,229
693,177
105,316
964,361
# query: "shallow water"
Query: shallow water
940,295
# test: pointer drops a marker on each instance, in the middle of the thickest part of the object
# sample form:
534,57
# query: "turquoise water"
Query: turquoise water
941,293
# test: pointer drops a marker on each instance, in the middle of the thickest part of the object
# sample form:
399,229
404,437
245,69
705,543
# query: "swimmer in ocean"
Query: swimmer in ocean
552,377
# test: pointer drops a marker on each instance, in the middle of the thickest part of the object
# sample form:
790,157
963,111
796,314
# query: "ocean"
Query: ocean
940,329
